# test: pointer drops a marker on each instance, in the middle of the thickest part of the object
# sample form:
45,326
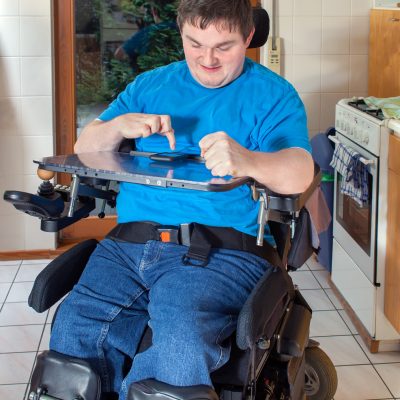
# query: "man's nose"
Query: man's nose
209,57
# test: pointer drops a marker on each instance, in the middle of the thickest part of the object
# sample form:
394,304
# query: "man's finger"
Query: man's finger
207,141
165,122
171,138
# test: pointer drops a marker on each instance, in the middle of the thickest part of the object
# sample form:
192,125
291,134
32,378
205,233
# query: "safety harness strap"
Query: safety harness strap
199,238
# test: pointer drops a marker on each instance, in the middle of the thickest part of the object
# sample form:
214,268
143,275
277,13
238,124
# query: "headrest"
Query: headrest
261,25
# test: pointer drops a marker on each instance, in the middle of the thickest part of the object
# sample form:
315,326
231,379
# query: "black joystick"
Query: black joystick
46,188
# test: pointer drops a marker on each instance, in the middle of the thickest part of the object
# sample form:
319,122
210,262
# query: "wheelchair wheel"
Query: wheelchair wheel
320,375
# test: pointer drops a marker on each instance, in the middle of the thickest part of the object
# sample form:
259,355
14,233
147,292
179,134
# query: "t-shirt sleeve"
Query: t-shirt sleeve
126,102
285,125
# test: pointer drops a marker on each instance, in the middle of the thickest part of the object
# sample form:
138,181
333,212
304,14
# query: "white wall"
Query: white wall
26,113
325,52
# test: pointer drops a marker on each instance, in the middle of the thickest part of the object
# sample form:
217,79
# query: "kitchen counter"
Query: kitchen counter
394,125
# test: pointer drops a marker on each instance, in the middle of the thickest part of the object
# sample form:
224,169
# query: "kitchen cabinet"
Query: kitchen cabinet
392,271
384,53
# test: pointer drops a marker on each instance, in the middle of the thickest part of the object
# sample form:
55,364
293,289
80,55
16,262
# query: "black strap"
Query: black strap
202,239
134,232
199,248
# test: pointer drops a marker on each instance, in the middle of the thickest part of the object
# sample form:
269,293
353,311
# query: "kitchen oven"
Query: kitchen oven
359,228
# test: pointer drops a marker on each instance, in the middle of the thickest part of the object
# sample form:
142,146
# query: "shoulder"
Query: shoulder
263,78
169,71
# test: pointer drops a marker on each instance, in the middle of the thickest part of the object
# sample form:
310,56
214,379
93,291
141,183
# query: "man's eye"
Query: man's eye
195,46
224,48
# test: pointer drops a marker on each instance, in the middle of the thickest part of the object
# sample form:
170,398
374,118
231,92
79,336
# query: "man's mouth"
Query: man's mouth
210,69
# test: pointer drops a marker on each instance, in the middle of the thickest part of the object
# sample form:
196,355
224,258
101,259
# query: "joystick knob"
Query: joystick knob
46,188
45,175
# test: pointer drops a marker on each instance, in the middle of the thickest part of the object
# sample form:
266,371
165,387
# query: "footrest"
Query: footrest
63,377
150,389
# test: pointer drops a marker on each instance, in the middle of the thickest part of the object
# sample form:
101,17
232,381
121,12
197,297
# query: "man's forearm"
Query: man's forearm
98,136
287,171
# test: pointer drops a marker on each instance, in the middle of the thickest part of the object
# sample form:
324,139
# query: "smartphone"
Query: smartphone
168,156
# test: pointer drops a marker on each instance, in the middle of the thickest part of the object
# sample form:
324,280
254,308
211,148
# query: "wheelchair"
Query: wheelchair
272,356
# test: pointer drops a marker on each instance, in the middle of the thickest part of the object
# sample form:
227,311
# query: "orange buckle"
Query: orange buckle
165,236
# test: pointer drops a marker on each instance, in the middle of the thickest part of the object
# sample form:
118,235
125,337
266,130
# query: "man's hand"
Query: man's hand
285,171
107,135
135,125
224,156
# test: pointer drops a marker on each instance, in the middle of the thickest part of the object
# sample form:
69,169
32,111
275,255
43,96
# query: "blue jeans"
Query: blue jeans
191,311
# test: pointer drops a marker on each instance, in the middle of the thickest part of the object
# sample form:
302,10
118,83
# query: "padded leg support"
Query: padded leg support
57,376
150,389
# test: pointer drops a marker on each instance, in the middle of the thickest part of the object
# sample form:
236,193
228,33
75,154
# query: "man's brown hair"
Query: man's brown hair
235,15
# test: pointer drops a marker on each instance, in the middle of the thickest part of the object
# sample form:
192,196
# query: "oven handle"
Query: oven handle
362,159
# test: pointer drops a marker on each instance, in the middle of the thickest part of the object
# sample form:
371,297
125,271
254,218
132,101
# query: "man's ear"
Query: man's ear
248,40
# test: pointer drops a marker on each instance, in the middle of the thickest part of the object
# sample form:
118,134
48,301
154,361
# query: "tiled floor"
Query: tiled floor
362,376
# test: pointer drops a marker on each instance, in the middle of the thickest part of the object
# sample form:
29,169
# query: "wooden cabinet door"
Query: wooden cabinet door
392,271
384,53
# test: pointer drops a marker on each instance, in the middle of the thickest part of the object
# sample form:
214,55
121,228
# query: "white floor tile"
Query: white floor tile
20,338
19,292
360,382
44,261
348,322
314,265
334,299
317,299
305,280
16,392
383,357
15,368
8,272
12,262
44,343
323,278
29,272
327,323
4,288
390,373
343,350
20,314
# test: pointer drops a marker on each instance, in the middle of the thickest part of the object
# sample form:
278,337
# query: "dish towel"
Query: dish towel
390,106
354,173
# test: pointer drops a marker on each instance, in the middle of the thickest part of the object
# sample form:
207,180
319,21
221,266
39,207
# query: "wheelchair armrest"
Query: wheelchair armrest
58,278
264,308
35,205
293,202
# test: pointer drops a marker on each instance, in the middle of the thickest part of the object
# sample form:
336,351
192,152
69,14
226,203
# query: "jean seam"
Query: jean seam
144,264
221,349
100,341
101,356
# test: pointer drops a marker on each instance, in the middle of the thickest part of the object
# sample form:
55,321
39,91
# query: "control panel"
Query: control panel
359,128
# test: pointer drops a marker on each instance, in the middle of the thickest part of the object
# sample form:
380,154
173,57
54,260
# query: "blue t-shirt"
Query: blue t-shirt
260,110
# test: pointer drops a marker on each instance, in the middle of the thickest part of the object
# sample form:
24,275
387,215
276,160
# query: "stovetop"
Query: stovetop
360,104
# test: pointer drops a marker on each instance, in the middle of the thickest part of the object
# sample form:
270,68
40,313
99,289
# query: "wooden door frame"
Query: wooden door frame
65,114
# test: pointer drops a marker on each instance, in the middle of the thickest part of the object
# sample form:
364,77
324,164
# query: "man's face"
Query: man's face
215,56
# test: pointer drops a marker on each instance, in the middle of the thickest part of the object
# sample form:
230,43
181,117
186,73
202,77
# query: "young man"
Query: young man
245,121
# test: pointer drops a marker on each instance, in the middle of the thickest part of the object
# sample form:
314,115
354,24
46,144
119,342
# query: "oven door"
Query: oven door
354,226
